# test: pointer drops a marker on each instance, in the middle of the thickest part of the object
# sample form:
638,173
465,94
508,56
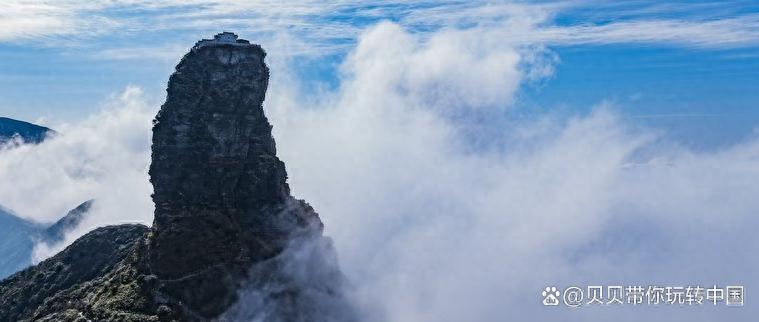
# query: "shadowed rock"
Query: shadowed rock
89,257
222,201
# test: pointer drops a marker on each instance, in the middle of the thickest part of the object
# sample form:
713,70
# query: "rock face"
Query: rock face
52,281
228,242
222,201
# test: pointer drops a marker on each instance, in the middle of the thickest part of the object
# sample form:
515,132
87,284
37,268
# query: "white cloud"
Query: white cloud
104,157
171,53
60,23
452,69
316,28
20,20
723,33
429,229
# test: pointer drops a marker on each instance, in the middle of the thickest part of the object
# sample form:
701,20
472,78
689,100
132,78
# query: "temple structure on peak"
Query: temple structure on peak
224,38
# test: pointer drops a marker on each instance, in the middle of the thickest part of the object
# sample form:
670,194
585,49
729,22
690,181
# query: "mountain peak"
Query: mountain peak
57,231
28,132
222,200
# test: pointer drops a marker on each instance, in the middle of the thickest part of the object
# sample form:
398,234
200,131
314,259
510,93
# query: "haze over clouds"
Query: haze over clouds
438,215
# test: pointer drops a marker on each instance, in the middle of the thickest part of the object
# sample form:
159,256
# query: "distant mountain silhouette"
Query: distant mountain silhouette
18,236
57,232
16,242
30,133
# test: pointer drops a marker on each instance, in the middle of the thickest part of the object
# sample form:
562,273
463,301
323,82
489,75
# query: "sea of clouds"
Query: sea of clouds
437,215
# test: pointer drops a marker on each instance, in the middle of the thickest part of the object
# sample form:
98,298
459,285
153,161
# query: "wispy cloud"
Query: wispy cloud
315,28
674,115
104,157
723,33
170,52
35,23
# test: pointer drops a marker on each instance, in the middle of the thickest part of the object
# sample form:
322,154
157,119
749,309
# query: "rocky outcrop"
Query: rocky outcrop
226,227
44,291
221,196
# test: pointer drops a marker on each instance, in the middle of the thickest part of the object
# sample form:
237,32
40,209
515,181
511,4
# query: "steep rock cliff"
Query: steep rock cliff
222,200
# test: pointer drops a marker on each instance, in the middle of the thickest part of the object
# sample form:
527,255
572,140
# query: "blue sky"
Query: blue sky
640,55
703,97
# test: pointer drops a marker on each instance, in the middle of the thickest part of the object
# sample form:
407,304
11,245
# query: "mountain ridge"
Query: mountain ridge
19,236
28,132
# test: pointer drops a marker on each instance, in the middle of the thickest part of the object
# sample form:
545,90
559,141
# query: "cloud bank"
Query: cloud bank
103,157
430,228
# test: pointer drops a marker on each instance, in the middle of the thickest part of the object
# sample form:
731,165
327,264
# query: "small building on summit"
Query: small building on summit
224,38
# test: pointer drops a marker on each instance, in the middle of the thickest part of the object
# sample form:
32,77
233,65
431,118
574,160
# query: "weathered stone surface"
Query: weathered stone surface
213,160
22,295
222,201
